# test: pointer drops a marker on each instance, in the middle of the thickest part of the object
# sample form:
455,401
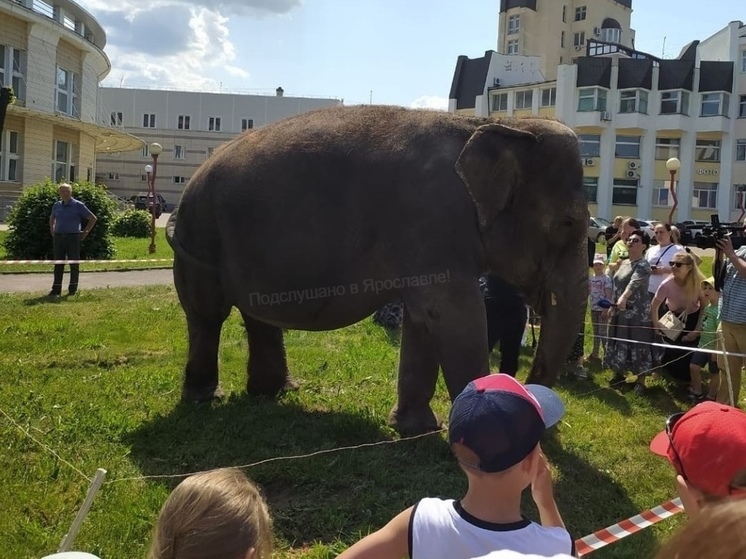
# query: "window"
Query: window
513,46
675,102
144,178
62,168
523,99
590,145
580,13
112,176
743,61
611,35
247,124
633,101
740,150
145,152
213,124
705,195
591,99
210,151
562,40
628,147
66,92
183,122
514,24
148,120
625,192
707,150
715,104
116,119
11,70
179,152
742,106
500,102
666,148
549,97
564,14
739,196
661,193
10,158
591,188
578,39
179,180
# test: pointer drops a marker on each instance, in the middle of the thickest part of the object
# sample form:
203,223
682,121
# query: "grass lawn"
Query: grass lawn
127,248
97,379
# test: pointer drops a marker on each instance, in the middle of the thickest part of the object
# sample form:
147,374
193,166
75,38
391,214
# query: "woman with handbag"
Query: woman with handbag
630,329
659,255
676,313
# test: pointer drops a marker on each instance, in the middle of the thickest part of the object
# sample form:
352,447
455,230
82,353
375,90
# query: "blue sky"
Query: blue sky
404,51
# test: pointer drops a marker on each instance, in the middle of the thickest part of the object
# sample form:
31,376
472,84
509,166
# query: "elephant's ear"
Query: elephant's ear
490,166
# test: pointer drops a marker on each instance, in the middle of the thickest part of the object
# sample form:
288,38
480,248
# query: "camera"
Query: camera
716,231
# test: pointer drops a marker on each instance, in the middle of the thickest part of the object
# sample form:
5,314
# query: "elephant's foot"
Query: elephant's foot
194,394
409,422
270,386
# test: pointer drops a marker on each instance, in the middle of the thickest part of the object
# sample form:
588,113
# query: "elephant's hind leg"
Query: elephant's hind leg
267,369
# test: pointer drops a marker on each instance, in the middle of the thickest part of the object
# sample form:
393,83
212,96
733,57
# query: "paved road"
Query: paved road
16,283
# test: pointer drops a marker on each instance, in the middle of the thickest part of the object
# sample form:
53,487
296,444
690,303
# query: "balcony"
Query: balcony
713,124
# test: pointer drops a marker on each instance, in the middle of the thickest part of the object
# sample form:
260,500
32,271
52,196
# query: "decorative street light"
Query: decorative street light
673,165
155,151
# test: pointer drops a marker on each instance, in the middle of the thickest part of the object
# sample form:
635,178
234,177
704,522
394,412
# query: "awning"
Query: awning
108,139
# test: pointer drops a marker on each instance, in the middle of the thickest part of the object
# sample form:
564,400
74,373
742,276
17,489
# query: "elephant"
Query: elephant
315,221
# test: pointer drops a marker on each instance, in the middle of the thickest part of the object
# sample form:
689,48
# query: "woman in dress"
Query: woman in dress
682,294
630,326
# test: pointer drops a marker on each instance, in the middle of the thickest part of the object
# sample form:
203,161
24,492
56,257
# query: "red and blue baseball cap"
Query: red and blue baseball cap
501,420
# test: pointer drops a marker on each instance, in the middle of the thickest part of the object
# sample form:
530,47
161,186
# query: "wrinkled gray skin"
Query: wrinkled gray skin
342,196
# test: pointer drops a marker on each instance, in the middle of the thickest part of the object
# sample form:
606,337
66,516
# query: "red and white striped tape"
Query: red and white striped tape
616,532
83,261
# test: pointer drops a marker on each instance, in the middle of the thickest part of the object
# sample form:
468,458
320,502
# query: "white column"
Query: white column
685,176
647,174
606,173
725,178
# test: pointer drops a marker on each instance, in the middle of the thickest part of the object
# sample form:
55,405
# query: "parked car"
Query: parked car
596,228
648,227
143,201
121,202
691,230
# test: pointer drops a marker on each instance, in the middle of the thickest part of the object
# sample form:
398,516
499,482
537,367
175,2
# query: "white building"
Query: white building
188,125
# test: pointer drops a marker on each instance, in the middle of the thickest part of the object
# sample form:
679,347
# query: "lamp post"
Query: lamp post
673,165
155,151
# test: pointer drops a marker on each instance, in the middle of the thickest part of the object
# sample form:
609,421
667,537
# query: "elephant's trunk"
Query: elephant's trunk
562,312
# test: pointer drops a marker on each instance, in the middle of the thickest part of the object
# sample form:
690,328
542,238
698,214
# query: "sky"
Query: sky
395,52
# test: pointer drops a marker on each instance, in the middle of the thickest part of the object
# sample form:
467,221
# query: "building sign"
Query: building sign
713,172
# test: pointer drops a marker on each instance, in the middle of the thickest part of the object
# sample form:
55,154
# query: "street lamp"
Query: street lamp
673,165
155,151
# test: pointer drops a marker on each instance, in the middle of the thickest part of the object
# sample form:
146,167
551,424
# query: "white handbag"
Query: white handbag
672,325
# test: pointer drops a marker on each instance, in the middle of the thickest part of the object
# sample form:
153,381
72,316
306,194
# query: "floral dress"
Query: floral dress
634,323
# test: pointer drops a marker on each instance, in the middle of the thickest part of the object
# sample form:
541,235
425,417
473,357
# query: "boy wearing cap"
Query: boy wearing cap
707,340
707,448
599,286
494,430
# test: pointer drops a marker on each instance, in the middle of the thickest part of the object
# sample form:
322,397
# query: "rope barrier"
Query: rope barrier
14,262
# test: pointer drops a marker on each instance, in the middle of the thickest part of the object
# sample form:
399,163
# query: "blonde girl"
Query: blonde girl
218,514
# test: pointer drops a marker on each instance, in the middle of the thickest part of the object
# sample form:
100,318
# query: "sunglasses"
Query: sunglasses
633,241
670,423
678,264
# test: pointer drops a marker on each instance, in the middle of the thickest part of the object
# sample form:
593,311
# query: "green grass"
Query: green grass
127,248
97,379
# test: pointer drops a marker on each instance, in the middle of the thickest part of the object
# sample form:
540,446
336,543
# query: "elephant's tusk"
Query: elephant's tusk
554,299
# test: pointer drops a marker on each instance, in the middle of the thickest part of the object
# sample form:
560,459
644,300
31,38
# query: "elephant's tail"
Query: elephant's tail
179,249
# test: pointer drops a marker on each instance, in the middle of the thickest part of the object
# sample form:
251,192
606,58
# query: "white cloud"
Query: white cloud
175,43
430,102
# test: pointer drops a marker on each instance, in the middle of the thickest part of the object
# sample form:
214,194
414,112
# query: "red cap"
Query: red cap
710,442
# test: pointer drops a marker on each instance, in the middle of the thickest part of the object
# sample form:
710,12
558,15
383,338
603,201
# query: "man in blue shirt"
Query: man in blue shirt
732,316
64,226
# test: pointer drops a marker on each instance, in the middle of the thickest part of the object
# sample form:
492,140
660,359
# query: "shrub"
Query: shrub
28,222
131,223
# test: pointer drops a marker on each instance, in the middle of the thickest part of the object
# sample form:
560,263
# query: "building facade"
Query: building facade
52,54
632,112
189,126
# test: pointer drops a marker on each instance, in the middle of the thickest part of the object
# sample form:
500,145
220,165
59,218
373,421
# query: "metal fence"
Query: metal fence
6,203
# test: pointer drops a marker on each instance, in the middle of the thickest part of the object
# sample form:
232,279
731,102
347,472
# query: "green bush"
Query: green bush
28,222
131,223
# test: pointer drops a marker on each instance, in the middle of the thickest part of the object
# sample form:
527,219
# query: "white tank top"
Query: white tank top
442,529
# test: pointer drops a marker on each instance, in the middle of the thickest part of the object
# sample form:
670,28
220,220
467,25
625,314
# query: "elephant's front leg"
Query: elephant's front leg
267,368
418,373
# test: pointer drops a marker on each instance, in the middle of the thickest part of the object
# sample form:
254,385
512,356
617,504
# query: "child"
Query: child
218,514
600,288
494,430
706,341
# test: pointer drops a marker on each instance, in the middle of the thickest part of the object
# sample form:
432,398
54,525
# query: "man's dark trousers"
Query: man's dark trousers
66,246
